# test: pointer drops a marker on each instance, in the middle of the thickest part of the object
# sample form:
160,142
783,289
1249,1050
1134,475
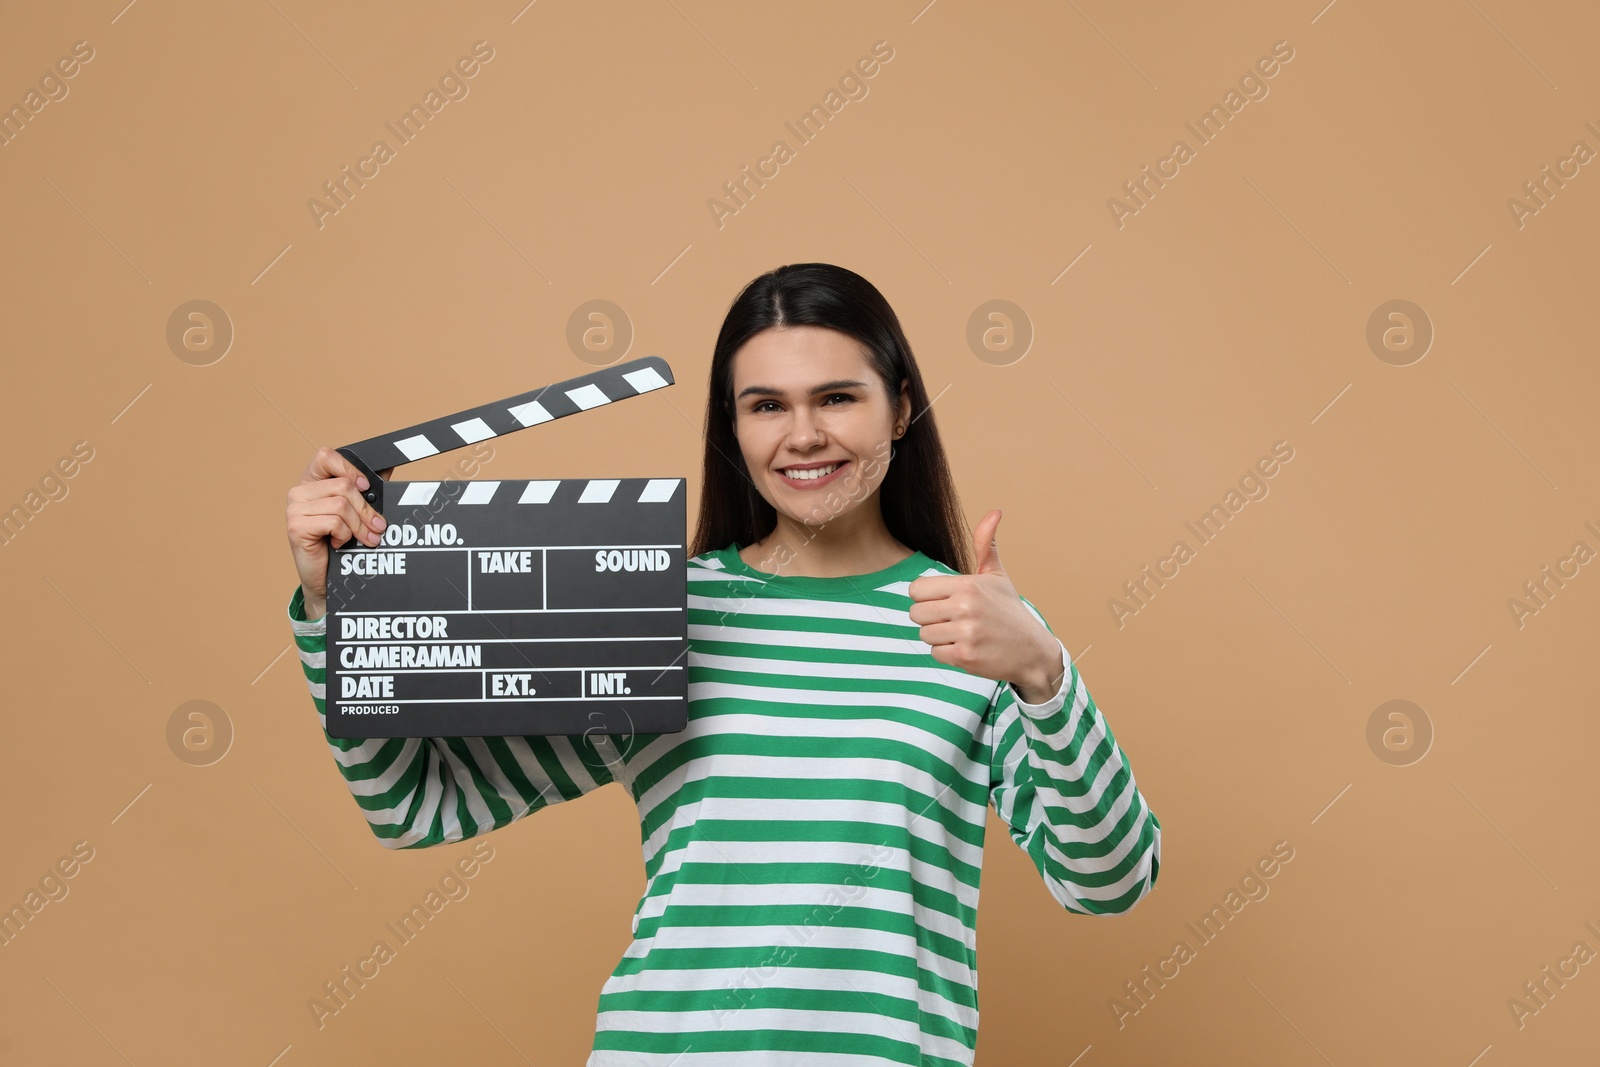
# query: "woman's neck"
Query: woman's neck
836,550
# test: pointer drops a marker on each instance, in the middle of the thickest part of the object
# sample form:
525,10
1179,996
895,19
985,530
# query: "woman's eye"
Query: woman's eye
762,405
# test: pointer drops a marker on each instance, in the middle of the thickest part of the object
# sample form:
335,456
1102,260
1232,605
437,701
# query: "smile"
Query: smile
808,479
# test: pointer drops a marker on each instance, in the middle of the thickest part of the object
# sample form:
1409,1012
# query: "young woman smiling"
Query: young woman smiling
860,692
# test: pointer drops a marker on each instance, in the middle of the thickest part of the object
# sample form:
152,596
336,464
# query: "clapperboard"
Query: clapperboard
512,607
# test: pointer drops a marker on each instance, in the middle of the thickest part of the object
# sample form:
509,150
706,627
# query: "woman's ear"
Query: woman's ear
905,403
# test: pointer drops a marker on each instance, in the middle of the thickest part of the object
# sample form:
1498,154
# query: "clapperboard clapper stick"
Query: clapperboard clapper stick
495,608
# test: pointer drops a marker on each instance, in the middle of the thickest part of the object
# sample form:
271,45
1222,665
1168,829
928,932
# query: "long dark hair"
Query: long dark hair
918,494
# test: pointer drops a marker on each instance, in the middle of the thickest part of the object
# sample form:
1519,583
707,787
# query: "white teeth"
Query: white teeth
808,475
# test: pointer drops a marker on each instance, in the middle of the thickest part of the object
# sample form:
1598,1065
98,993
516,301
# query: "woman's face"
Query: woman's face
807,397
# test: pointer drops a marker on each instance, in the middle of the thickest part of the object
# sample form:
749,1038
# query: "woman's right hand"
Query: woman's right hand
327,508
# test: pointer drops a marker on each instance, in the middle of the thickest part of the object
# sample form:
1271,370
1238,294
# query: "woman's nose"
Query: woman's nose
803,430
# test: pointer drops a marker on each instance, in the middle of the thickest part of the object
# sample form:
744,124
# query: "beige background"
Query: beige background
1229,313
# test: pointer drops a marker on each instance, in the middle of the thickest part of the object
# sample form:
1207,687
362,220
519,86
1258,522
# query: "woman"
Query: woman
858,694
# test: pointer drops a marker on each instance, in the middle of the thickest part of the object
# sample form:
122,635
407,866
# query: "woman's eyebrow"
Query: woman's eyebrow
767,390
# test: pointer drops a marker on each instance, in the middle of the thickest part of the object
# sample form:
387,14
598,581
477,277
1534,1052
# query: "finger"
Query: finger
985,544
314,528
345,488
942,633
309,527
347,511
928,612
935,586
366,518
352,513
328,463
314,490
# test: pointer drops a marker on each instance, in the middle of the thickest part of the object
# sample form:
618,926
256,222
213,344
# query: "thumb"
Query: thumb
985,545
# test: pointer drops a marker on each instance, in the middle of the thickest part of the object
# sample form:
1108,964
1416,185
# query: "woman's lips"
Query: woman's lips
813,483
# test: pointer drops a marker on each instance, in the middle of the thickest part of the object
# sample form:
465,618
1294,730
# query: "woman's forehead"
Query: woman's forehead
799,357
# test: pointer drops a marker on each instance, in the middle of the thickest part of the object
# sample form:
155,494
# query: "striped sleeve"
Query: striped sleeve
1062,785
422,791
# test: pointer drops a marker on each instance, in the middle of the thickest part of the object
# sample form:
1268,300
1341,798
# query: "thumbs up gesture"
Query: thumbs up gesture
978,622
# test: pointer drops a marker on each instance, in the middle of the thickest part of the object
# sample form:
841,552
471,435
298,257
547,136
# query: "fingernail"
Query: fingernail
379,522
361,481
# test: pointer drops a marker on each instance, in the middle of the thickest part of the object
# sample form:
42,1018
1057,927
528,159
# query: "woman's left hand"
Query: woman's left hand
978,622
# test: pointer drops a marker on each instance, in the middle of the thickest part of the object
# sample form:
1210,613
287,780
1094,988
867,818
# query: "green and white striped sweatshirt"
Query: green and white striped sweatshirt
813,840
